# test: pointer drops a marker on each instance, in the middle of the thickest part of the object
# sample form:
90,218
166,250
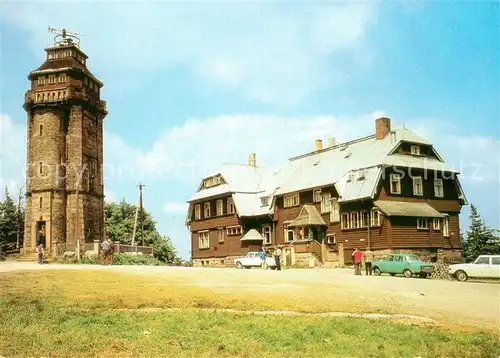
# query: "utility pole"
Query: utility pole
142,212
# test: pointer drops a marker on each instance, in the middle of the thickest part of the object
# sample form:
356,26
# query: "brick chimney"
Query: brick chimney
332,142
382,127
252,160
319,145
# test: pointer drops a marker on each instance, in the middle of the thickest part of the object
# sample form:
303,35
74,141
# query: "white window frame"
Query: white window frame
317,196
438,188
219,208
415,150
206,209
331,239
325,203
395,183
354,220
233,230
267,233
417,182
61,78
286,231
345,223
335,210
375,217
52,79
290,200
422,224
436,224
220,234
446,227
364,218
204,240
230,206
41,80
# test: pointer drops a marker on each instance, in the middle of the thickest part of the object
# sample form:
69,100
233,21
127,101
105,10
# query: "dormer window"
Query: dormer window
417,186
197,212
264,201
415,150
220,207
438,188
291,200
317,196
206,210
395,184
230,206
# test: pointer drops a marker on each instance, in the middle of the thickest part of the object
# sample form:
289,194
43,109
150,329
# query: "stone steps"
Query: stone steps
27,258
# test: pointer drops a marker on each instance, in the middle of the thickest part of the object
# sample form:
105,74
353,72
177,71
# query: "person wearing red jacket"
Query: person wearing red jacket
358,257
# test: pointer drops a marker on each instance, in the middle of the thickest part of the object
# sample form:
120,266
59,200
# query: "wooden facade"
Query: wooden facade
336,227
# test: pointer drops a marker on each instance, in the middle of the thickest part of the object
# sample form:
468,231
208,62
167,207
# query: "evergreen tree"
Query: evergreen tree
8,222
480,239
120,219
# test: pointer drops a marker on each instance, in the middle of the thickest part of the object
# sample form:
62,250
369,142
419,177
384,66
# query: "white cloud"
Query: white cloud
266,52
109,196
173,208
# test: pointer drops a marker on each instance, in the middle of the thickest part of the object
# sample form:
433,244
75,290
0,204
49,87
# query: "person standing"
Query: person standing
39,250
368,261
262,256
104,252
277,258
358,256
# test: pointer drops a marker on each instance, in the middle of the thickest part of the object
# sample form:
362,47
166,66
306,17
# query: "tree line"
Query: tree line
120,218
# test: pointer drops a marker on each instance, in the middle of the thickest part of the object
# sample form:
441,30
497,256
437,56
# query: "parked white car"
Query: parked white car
252,259
485,266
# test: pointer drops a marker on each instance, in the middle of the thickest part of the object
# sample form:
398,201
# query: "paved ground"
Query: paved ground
469,303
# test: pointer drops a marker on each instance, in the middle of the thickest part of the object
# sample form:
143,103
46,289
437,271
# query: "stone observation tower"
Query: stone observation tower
64,185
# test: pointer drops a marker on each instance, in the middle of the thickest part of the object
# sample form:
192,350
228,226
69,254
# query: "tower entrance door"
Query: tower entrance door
40,234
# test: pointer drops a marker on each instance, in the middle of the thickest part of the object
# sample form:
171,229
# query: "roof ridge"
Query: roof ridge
354,141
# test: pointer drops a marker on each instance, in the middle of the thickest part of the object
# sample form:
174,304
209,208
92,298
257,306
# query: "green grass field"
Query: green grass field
82,314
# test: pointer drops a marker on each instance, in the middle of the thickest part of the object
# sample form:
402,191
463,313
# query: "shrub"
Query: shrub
124,259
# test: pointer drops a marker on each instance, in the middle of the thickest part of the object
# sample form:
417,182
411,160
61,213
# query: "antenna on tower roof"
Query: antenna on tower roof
65,38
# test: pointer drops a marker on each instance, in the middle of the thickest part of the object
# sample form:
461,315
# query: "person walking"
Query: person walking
368,261
277,258
358,256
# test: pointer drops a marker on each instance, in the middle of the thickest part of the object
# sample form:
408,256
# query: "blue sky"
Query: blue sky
189,86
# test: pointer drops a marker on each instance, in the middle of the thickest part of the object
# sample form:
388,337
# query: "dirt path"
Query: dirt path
465,304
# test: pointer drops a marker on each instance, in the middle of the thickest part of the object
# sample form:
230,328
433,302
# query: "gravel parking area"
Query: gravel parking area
475,304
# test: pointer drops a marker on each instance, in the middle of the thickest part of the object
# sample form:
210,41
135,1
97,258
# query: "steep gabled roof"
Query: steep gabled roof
354,168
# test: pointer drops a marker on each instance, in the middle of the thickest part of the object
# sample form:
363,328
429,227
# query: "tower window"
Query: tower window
41,129
40,168
62,78
52,78
40,202
41,80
